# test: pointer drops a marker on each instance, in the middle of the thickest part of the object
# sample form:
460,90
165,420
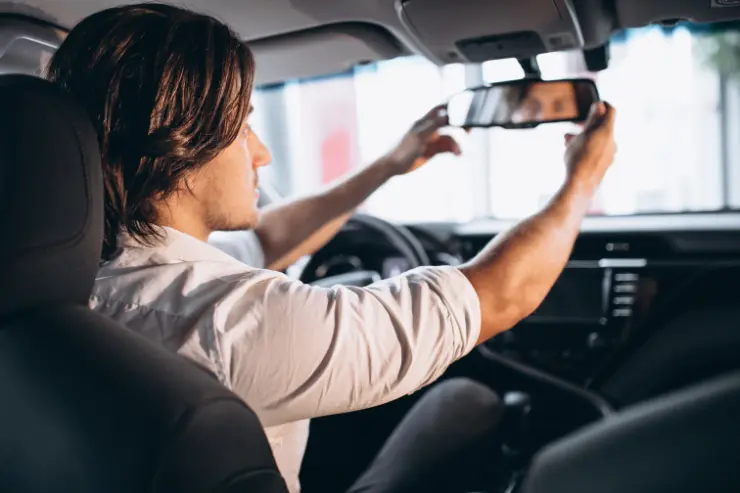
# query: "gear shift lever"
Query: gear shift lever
515,427
514,440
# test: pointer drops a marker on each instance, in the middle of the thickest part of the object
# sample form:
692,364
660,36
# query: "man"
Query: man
168,92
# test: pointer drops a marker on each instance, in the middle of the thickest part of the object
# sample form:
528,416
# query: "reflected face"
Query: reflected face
547,102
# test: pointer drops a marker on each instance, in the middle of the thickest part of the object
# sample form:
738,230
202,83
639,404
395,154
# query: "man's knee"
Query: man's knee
474,404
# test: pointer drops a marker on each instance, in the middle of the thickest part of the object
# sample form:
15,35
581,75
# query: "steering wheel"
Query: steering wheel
398,238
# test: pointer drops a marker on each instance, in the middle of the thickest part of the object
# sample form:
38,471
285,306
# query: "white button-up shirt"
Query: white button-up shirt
290,350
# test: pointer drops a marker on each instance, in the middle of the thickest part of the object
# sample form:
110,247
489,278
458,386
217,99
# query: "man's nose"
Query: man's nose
260,153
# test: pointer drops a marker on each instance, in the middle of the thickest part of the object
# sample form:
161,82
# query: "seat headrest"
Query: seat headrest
51,196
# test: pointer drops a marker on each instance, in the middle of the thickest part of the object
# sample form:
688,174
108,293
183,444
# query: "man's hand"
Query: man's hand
589,154
290,230
422,142
514,273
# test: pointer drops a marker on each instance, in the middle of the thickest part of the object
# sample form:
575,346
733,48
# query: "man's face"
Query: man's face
226,187
548,102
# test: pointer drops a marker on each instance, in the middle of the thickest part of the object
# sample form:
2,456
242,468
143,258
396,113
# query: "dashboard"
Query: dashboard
617,283
618,286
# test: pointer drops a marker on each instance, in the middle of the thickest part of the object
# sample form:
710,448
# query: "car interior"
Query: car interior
625,379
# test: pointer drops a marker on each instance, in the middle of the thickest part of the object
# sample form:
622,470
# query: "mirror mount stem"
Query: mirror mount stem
597,58
531,67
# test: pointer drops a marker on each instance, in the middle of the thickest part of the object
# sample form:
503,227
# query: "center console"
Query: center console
585,316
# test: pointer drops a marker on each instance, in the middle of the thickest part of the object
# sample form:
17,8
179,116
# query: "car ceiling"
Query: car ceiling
303,38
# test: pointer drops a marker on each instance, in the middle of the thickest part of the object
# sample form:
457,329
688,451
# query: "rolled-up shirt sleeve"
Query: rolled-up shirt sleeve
298,351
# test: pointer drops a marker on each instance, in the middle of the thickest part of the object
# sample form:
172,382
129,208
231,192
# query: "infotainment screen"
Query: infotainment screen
579,295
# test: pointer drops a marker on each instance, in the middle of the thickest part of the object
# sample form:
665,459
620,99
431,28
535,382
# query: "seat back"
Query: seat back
692,336
684,442
85,404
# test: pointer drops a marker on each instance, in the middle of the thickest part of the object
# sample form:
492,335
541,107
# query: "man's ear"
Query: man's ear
186,184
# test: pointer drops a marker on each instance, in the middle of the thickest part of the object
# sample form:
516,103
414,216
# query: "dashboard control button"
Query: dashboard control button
624,300
596,341
626,277
625,288
622,312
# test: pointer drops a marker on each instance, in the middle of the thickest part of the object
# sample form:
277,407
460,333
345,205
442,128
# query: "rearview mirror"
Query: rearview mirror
522,103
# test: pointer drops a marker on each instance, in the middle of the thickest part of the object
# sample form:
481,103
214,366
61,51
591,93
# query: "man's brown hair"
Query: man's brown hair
167,90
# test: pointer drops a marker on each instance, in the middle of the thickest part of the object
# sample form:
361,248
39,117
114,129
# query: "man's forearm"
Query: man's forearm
514,273
299,227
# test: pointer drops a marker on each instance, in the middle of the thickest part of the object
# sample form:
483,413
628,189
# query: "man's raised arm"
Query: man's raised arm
302,226
348,348
514,273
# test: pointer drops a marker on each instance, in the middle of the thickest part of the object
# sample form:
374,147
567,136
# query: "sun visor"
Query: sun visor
325,50
480,30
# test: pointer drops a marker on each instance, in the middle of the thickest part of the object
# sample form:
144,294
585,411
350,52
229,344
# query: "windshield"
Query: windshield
677,118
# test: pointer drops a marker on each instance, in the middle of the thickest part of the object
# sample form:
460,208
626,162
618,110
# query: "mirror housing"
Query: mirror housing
522,103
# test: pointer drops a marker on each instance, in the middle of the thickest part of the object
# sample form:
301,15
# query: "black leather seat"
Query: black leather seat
85,404
684,442
691,337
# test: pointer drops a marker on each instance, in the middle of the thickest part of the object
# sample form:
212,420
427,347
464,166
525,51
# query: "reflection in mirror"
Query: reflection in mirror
522,103
542,102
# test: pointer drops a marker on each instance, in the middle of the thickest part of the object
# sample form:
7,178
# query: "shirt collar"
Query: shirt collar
175,245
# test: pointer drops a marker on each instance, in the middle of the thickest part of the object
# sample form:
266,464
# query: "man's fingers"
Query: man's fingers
448,144
435,119
602,115
435,112
443,143
595,113
611,115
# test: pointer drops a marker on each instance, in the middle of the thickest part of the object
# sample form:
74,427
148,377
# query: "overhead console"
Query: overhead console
637,13
479,30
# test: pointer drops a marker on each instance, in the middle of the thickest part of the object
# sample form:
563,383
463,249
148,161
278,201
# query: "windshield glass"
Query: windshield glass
677,118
